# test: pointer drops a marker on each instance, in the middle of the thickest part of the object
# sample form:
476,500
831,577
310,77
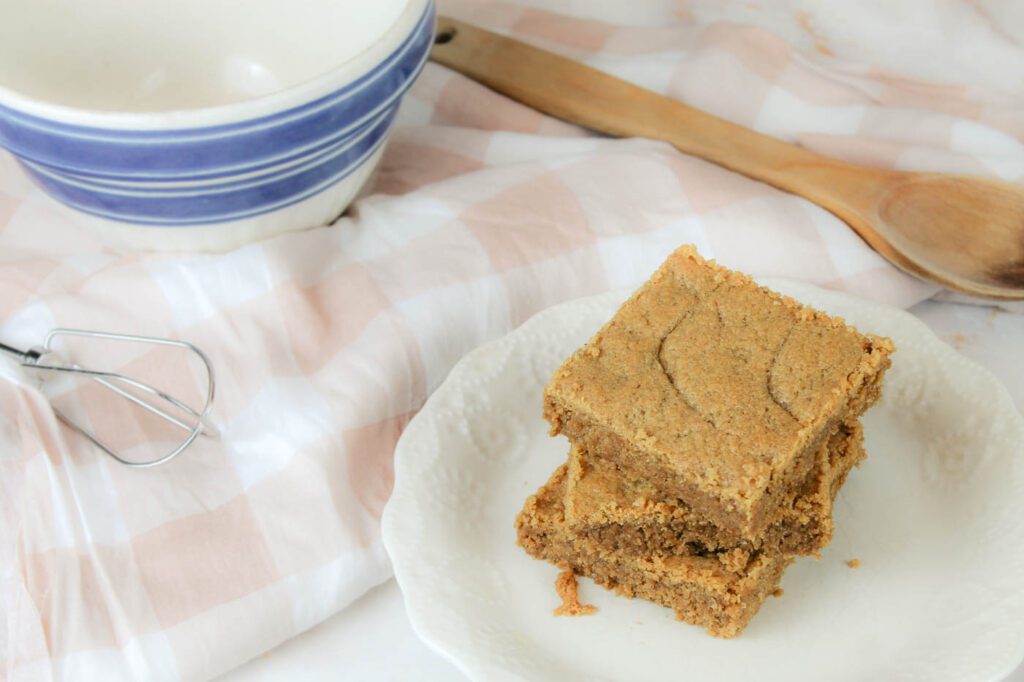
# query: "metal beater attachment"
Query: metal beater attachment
194,422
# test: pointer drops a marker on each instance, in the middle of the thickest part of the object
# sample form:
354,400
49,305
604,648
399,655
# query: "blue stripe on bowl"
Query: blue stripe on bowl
197,189
226,172
225,204
219,151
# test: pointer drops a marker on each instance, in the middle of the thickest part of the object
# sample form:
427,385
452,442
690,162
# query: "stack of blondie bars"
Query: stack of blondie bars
711,424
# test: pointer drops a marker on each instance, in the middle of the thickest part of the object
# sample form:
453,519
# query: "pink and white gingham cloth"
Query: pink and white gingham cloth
326,342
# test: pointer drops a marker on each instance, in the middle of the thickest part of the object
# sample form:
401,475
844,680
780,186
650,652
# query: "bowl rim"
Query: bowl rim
255,108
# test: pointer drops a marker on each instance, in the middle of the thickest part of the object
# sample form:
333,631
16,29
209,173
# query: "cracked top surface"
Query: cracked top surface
721,380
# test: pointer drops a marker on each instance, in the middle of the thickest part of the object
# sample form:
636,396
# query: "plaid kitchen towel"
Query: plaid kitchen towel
326,342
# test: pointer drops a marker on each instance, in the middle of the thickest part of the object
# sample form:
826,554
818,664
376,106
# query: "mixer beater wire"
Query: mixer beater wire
194,422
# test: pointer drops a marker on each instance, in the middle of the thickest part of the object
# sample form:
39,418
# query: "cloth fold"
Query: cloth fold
326,342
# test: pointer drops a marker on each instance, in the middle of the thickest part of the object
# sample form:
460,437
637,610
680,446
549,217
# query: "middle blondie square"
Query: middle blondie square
628,514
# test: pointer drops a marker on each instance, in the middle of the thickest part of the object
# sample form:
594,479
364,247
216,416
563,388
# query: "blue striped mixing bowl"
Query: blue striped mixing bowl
222,148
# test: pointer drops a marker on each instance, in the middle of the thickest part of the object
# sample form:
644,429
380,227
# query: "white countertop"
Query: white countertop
373,639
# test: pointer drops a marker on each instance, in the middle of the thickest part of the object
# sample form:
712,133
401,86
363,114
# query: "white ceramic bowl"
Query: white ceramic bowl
205,124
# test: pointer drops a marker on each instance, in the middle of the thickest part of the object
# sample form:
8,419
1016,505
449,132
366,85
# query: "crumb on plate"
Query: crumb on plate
568,591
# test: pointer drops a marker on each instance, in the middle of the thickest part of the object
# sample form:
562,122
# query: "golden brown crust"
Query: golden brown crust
719,391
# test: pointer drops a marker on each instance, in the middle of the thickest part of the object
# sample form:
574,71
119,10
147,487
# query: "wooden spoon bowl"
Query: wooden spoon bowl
966,233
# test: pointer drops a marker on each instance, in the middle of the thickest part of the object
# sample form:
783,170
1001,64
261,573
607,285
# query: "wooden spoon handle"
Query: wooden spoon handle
577,93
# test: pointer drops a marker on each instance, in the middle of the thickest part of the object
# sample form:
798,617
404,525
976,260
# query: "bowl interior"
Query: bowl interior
160,55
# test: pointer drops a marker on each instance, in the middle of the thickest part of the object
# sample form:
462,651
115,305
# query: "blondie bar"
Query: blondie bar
620,512
700,588
717,391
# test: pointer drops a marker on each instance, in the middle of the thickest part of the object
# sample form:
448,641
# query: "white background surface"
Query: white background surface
373,639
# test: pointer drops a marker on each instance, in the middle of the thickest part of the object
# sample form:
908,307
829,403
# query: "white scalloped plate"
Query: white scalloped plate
936,516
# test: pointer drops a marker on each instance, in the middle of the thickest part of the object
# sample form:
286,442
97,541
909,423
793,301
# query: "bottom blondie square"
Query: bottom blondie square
608,506
700,588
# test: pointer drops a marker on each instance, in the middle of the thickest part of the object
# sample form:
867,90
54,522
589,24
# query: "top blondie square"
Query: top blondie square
716,390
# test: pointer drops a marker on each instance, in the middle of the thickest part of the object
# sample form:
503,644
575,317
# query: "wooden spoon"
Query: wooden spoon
965,233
